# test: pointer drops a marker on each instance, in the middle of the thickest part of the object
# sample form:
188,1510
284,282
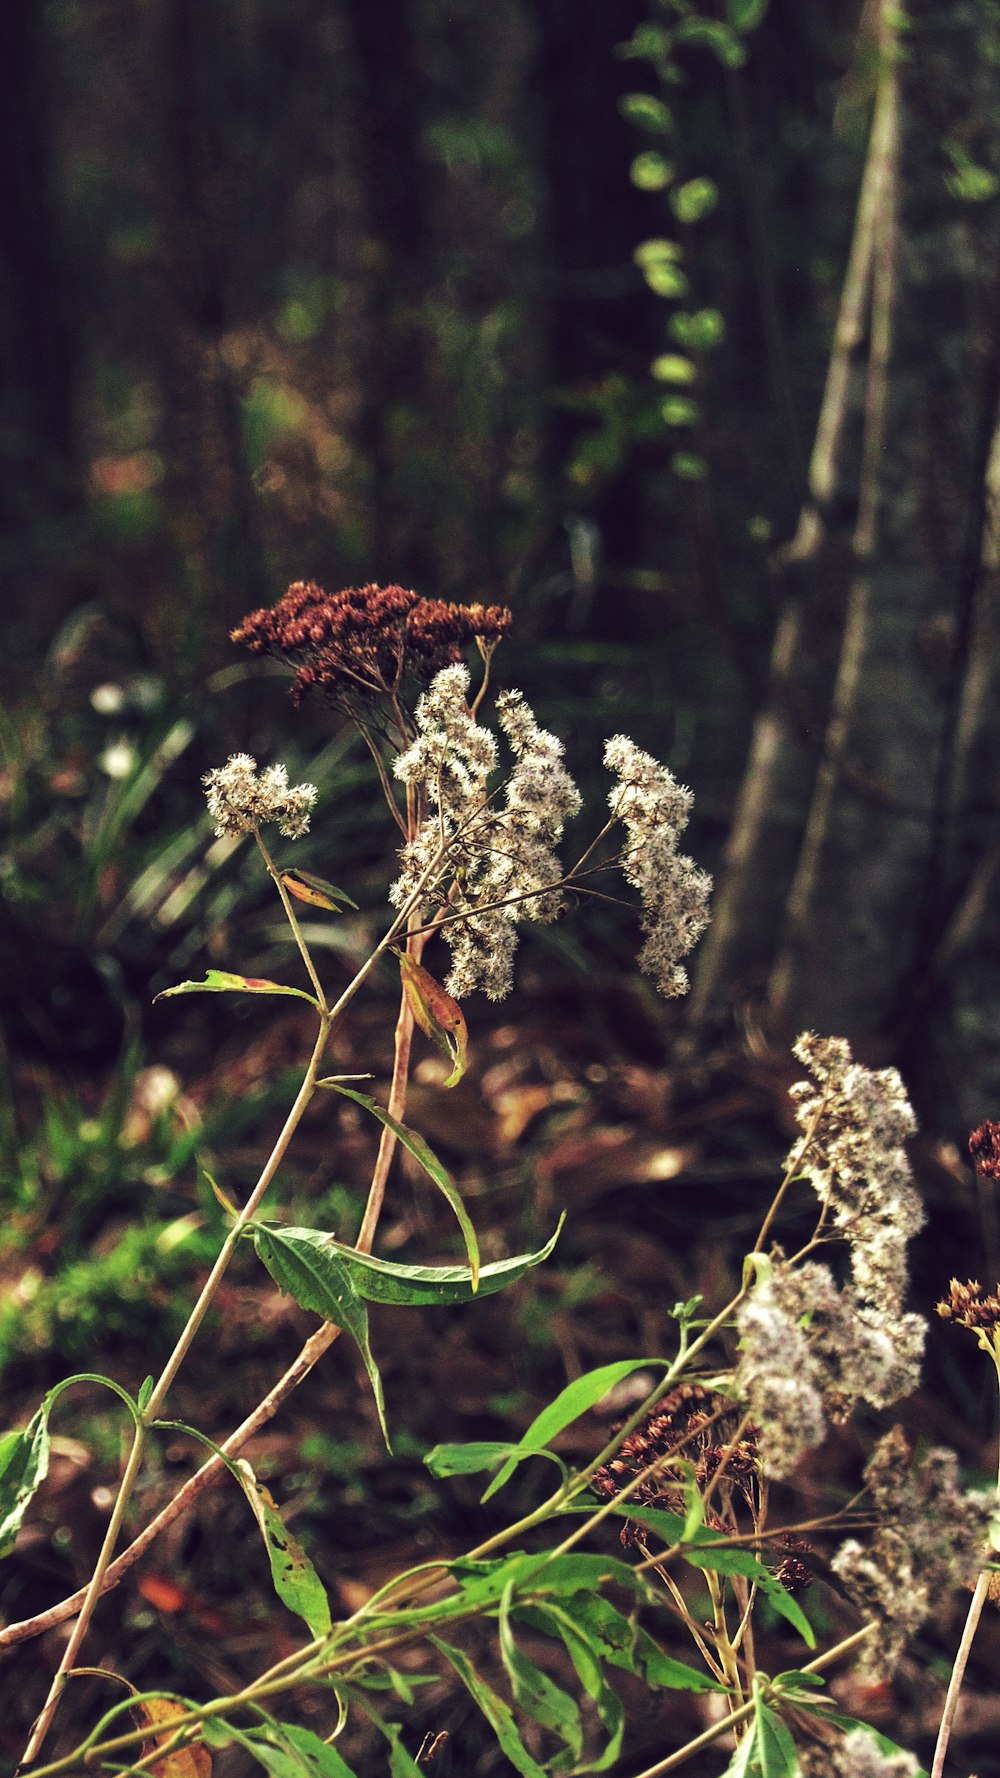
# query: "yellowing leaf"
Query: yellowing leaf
159,1714
438,1015
316,891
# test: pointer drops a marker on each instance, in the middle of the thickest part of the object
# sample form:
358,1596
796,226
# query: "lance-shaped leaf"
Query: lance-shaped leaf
427,1159
287,1751
223,981
295,1579
497,1712
767,1750
316,891
627,1645
322,1274
568,1405
24,1463
553,1620
534,1692
301,1264
439,1016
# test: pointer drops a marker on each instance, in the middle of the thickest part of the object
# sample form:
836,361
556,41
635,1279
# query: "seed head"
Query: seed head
240,799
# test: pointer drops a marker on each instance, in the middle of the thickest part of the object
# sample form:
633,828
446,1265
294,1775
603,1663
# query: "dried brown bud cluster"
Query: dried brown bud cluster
360,643
971,1307
690,1426
984,1147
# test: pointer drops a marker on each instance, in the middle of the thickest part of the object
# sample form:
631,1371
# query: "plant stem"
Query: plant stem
292,918
167,1375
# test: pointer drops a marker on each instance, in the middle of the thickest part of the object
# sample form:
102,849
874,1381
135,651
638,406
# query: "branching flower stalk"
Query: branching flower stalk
479,854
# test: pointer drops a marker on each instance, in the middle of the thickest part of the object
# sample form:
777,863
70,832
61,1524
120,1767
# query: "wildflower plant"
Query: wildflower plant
484,805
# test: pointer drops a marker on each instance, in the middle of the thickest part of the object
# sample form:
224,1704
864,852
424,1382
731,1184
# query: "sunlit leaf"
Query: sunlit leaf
427,1159
223,981
322,1269
497,1712
302,1265
569,1404
439,1016
316,891
160,1715
24,1463
446,1460
295,1579
768,1750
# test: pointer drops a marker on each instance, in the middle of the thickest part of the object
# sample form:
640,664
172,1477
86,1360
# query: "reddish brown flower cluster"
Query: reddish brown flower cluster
691,1425
360,643
984,1147
971,1307
793,1571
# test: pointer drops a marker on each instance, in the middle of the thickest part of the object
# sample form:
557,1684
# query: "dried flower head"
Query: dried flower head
984,1147
487,857
970,1306
691,1428
810,1351
359,644
240,799
857,1756
930,1537
654,810
856,1121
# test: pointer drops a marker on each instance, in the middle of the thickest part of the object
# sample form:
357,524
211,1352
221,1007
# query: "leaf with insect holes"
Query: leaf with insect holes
223,981
316,891
439,1016
427,1159
295,1579
24,1464
159,1715
302,1266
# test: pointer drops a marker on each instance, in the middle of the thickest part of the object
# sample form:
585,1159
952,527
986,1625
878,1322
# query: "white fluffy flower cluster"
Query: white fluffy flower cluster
654,810
240,799
857,1756
808,1354
829,1347
931,1536
478,849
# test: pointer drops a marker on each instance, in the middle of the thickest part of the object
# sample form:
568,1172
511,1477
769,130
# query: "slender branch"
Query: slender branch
292,918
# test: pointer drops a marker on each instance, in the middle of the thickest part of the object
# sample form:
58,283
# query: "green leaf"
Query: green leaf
554,1620
302,1265
700,331
745,15
625,1644
427,1159
669,367
768,1751
710,34
24,1463
323,1264
295,1579
569,1404
222,981
287,1751
647,112
316,891
694,199
650,171
496,1711
446,1460
678,410
533,1691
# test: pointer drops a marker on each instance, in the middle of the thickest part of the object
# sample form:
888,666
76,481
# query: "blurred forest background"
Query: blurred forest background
673,326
